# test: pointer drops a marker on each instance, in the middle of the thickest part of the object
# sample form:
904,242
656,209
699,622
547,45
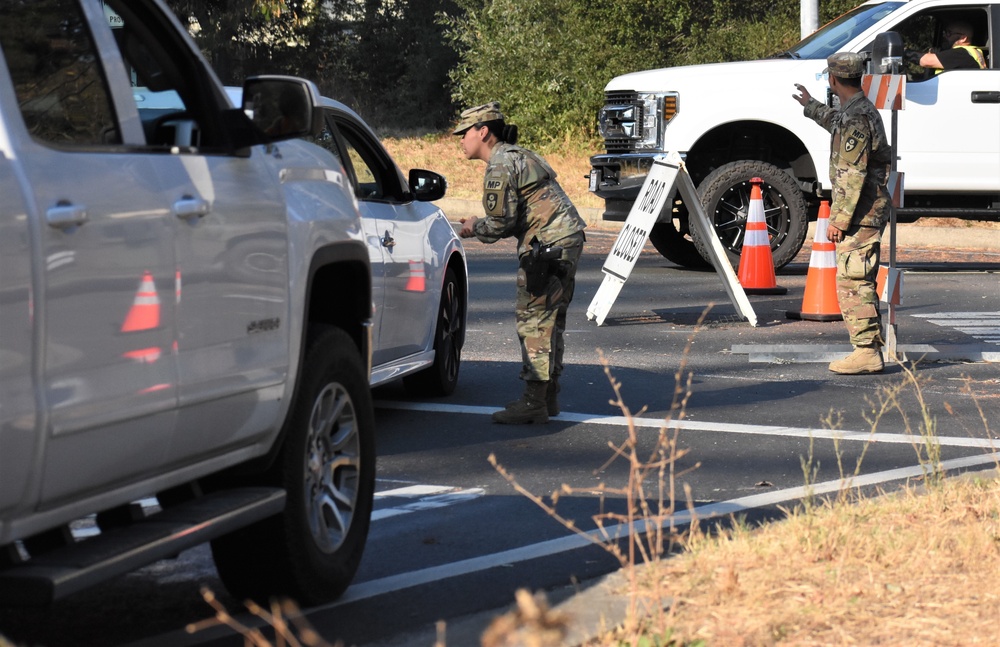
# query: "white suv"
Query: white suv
734,121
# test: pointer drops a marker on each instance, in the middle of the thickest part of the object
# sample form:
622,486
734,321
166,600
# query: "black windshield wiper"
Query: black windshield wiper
785,54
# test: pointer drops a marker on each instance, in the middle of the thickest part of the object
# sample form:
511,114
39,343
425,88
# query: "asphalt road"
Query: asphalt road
453,537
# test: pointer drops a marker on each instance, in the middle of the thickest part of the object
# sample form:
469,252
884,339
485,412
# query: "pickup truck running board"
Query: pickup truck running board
63,571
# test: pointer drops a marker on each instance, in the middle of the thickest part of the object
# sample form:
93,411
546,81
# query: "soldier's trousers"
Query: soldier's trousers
541,320
857,269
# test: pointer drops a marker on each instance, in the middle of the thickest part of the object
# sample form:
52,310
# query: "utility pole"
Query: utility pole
810,17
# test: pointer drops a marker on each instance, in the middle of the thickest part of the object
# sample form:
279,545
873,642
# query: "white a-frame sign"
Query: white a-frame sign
652,205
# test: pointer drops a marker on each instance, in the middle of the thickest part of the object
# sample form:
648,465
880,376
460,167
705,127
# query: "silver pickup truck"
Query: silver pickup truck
185,309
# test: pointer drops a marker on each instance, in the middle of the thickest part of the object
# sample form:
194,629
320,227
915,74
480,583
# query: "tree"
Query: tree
238,35
547,61
386,58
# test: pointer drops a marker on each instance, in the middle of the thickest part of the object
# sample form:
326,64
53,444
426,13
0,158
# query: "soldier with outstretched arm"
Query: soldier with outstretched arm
860,160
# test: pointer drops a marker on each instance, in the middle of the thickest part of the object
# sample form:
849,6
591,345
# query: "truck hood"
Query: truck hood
731,75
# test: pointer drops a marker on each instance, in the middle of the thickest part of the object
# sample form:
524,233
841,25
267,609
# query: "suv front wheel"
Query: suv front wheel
311,551
725,194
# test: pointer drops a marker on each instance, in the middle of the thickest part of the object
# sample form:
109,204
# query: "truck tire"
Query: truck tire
441,377
674,247
725,194
311,551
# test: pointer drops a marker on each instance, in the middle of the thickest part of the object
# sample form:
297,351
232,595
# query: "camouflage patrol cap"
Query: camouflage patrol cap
845,65
480,114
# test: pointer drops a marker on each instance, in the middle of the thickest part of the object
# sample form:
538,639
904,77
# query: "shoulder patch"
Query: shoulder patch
490,202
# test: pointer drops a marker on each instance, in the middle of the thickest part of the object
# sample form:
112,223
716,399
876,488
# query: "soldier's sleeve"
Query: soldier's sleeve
821,113
499,203
852,168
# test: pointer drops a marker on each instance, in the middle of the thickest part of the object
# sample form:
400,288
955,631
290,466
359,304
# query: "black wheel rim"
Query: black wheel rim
450,342
733,207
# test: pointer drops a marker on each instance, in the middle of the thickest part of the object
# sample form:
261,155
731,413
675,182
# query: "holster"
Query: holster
539,265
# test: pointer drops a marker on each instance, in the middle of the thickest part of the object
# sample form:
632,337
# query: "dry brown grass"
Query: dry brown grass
443,153
908,569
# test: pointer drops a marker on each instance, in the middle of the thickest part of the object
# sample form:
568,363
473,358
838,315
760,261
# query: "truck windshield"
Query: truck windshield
835,35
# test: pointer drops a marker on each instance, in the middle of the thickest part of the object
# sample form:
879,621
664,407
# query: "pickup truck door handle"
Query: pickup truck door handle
65,215
187,208
387,240
985,96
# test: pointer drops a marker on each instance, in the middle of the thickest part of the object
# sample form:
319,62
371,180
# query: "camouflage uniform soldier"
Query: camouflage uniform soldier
522,198
860,159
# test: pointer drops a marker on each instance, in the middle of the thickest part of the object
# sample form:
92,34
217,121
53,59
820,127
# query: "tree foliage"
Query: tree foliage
414,64
547,61
387,59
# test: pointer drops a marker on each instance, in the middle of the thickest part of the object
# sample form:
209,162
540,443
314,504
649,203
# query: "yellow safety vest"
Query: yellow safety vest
973,51
976,54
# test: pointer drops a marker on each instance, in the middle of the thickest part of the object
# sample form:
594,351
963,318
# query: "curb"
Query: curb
592,608
964,236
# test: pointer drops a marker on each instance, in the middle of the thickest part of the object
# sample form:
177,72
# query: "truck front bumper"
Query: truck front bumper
617,177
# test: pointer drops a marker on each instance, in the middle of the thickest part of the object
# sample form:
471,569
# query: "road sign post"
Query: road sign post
888,92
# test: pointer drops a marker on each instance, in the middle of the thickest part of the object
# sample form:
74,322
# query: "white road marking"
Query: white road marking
984,326
392,583
422,497
720,427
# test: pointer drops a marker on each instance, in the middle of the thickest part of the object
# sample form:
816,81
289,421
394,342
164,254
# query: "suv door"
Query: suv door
230,240
411,274
104,308
951,119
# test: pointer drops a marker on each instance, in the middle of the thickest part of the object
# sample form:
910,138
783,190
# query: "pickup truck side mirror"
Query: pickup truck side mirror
282,107
427,186
887,54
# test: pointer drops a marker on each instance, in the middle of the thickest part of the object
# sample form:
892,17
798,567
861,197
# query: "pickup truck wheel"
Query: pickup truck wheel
441,377
674,247
725,193
311,551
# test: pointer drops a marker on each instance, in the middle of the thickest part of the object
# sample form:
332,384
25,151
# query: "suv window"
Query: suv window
923,32
161,73
57,74
832,37
374,177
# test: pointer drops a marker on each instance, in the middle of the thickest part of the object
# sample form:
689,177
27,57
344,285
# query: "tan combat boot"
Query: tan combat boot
531,408
864,359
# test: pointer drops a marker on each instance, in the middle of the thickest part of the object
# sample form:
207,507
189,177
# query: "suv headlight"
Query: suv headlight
637,118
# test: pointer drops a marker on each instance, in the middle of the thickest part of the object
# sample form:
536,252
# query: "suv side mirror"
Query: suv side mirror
887,54
282,107
427,186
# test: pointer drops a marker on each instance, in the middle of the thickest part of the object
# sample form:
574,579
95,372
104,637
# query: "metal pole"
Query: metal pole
890,327
809,12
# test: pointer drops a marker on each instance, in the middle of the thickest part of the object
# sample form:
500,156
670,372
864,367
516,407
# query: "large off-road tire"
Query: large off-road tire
725,194
675,247
311,551
441,377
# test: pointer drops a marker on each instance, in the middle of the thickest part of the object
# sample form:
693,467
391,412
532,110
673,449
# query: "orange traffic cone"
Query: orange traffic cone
819,303
418,280
756,272
145,311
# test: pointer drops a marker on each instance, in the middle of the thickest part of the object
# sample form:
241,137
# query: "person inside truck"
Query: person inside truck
960,54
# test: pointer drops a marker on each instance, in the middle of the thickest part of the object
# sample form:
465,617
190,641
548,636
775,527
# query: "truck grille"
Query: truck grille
621,121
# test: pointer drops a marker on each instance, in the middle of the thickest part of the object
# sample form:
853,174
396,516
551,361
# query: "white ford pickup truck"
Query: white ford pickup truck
734,121
185,307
